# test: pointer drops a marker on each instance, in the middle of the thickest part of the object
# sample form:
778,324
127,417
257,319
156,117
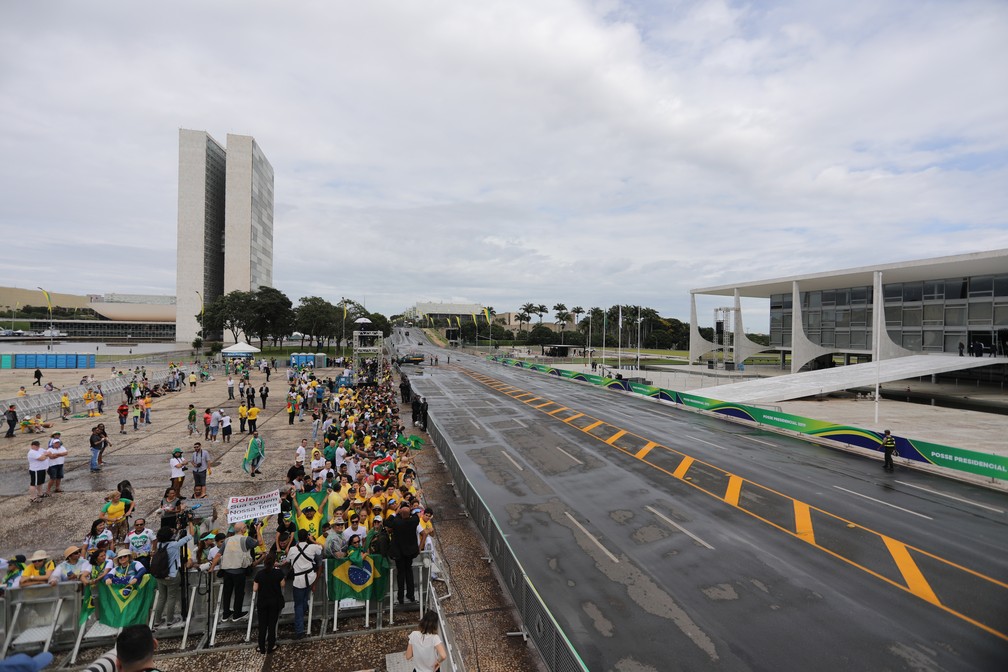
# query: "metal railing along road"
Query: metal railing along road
537,621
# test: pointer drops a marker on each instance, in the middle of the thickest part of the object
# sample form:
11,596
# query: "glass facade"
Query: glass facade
105,330
213,235
926,316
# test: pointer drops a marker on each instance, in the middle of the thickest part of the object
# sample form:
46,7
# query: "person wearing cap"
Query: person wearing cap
225,423
116,513
218,545
141,541
38,570
178,464
73,568
335,544
297,470
11,570
888,446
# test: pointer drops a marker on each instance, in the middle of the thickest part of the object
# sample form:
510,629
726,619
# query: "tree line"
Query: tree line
267,314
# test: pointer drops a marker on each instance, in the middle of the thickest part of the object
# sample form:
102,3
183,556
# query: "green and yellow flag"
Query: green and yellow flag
486,314
458,321
413,441
255,450
358,577
48,299
474,319
313,523
121,606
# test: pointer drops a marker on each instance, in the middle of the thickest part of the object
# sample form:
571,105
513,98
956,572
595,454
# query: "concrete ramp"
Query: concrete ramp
811,383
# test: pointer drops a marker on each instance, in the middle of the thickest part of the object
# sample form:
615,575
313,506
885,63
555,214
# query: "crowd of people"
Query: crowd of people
356,470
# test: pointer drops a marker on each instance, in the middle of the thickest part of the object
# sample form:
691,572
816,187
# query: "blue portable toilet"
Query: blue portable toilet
51,361
29,362
91,361
19,361
61,360
81,362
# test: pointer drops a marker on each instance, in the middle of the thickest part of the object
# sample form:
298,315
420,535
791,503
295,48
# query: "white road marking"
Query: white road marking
569,455
475,424
765,443
520,468
879,501
702,441
597,542
958,499
679,527
520,423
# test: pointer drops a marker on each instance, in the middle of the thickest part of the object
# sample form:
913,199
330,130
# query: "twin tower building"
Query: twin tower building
225,223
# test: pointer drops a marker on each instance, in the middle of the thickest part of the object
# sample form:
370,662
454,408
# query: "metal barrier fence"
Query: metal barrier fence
48,403
537,621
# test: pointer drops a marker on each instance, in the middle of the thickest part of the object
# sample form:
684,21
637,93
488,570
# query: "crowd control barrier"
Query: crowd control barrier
537,623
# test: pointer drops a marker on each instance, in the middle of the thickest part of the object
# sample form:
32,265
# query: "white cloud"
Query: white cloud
503,152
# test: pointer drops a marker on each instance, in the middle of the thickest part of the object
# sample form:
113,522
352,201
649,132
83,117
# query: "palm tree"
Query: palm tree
523,317
577,311
541,310
563,317
528,309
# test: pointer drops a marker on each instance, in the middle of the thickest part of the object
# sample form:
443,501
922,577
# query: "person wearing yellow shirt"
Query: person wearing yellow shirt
38,570
65,406
253,413
242,416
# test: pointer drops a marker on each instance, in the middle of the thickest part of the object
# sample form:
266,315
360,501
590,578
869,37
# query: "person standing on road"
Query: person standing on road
888,445
38,378
253,414
230,386
254,454
57,458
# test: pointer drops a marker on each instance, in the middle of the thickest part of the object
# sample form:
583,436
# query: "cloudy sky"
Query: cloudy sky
503,152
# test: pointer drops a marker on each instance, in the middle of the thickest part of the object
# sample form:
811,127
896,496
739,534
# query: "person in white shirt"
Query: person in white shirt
141,540
225,423
355,527
304,558
300,451
57,456
73,568
178,465
425,650
38,463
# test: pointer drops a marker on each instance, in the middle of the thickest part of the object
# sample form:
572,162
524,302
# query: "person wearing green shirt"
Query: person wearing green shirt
191,418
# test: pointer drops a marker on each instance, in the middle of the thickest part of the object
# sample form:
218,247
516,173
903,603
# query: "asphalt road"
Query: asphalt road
662,539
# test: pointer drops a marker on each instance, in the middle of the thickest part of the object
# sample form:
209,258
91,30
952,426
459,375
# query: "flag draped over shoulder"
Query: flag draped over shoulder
358,577
255,450
314,523
121,606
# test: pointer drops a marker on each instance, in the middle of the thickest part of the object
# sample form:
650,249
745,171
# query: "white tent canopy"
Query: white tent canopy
240,350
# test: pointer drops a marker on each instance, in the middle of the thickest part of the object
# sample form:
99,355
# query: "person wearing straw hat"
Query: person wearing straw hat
38,570
73,568
125,570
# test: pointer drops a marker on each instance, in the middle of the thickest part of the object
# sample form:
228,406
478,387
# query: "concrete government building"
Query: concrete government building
928,306
225,223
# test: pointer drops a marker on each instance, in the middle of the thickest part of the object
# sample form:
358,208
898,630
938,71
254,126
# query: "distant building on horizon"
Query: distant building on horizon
225,223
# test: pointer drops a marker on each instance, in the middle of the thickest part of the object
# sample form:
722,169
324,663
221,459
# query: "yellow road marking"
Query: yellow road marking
642,453
574,417
915,581
683,467
803,522
734,490
548,403
562,408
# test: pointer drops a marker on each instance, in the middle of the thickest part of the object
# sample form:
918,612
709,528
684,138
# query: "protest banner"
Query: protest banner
253,506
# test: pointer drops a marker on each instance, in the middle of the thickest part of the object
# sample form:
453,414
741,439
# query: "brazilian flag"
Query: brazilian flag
358,577
412,440
255,450
317,501
121,606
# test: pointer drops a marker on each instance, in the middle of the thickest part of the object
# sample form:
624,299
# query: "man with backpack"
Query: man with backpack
165,565
304,558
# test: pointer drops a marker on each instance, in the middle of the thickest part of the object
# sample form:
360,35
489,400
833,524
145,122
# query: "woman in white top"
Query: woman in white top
178,465
425,649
